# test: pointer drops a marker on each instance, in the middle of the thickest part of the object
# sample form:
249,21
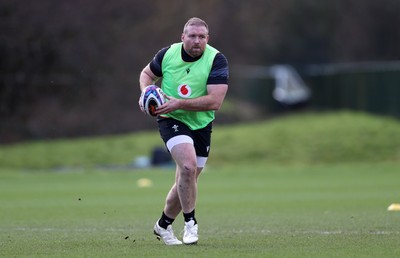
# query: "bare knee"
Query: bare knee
188,171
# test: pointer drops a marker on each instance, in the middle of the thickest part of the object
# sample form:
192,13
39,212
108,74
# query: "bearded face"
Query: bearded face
195,39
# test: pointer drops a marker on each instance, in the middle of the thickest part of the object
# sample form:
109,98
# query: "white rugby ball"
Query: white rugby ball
151,98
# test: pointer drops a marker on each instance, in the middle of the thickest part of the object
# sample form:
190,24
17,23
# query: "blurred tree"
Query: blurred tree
367,31
70,68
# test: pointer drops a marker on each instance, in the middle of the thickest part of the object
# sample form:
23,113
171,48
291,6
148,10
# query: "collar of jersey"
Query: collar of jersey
187,58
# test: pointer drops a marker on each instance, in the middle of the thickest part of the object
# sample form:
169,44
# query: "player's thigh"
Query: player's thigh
184,155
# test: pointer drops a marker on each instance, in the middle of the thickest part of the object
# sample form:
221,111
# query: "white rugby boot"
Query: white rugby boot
167,235
190,236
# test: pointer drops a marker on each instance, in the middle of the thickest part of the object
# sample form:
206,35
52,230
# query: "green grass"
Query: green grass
244,211
311,185
308,138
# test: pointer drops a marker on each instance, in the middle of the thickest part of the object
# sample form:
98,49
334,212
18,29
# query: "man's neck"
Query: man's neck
187,58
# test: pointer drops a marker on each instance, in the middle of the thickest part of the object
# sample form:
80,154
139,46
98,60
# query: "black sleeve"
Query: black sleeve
220,70
155,64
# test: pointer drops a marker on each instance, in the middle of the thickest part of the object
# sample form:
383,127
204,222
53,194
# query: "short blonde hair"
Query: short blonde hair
194,21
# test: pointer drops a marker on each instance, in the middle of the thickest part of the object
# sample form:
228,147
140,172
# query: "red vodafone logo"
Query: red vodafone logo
184,91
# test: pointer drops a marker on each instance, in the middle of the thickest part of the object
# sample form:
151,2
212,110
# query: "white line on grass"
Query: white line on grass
240,231
65,230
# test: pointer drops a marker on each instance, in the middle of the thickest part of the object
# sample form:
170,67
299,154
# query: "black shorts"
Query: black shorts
174,132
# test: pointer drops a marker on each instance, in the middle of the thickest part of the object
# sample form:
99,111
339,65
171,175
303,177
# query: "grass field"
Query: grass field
260,206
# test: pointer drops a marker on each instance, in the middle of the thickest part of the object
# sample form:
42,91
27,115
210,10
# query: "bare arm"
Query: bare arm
212,101
147,77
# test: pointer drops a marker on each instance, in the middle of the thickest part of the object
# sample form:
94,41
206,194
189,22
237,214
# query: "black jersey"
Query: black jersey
219,73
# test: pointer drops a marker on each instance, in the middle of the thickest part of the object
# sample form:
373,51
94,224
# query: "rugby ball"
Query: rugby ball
151,98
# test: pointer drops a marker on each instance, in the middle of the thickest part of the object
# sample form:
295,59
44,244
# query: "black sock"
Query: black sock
165,221
190,216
